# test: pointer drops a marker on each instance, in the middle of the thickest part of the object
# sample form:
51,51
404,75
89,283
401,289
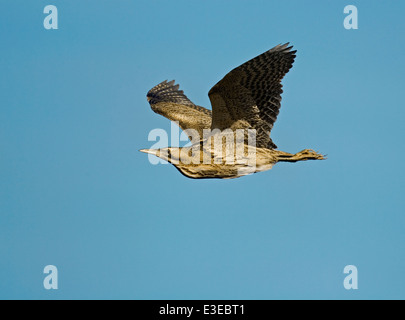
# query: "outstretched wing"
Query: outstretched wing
167,100
249,96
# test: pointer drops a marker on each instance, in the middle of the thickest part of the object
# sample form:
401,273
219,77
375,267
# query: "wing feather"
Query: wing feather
167,100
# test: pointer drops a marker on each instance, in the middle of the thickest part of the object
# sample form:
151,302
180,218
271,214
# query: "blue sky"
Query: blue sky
76,193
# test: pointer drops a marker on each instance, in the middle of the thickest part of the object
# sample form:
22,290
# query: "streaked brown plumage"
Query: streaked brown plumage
247,98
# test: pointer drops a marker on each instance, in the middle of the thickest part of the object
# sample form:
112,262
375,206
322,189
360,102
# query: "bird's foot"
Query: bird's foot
309,154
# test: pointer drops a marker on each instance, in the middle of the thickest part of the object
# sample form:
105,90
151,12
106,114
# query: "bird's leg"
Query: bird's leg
306,154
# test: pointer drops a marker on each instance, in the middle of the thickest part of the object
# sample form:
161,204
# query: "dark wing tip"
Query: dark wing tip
284,48
167,91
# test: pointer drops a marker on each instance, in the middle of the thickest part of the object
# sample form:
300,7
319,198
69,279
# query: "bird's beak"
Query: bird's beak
150,151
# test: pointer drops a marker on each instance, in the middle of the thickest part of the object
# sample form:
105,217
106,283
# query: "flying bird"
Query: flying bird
233,139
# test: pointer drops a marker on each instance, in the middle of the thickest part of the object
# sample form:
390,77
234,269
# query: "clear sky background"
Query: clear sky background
76,193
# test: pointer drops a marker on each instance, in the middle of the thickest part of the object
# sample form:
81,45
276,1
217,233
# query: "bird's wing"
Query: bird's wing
249,96
167,100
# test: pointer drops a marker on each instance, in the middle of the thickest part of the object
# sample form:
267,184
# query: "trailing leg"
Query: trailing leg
306,154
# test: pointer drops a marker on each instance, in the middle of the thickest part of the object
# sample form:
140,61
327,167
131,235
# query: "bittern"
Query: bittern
246,100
